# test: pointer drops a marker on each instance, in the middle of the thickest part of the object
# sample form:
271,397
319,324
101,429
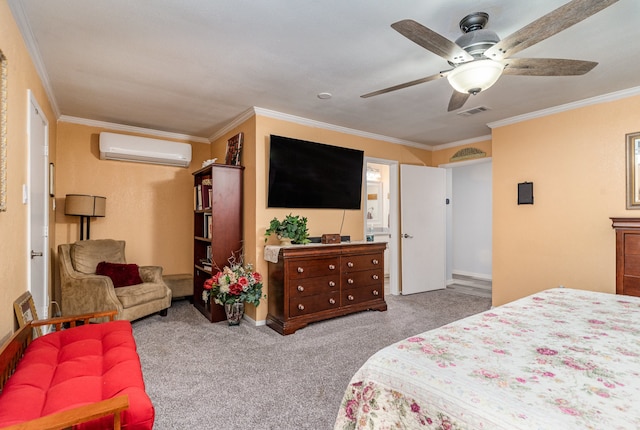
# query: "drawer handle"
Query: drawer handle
300,288
375,292
350,297
332,301
332,284
332,267
349,281
375,261
300,270
301,307
375,277
349,264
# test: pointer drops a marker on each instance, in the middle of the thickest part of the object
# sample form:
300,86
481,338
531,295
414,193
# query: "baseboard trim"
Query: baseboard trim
254,322
480,276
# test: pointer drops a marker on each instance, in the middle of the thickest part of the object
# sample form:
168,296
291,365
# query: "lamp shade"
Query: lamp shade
475,76
78,205
99,206
85,205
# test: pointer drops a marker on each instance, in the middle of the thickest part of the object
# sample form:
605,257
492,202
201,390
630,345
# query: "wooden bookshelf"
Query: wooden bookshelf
217,225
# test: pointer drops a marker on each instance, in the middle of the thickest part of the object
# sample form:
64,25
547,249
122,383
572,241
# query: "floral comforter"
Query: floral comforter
560,359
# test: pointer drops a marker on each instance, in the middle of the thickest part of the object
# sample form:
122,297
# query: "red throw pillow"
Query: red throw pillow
122,275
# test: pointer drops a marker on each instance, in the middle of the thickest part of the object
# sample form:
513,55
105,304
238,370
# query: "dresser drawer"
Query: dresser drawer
308,305
365,277
308,268
354,263
351,296
313,286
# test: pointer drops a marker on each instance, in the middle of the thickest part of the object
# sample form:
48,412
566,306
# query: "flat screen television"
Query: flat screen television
306,174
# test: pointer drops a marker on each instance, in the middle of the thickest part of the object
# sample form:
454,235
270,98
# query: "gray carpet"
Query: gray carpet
211,376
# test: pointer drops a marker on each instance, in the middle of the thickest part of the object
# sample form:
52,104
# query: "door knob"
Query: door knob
407,236
35,254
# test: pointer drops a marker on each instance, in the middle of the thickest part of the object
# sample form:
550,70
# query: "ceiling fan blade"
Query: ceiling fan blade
457,100
546,26
432,41
547,67
406,84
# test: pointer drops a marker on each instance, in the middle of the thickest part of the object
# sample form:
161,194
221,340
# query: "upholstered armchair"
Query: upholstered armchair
84,291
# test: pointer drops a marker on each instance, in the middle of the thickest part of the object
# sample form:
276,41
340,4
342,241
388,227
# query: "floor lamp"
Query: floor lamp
85,206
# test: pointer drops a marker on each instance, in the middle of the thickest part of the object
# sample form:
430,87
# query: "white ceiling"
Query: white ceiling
192,66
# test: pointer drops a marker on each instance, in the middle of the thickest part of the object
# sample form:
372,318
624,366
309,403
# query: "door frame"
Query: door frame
394,210
449,216
42,308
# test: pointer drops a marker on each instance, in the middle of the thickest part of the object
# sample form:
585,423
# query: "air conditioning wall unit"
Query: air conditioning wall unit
124,147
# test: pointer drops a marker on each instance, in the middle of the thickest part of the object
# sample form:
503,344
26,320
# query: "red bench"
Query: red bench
87,376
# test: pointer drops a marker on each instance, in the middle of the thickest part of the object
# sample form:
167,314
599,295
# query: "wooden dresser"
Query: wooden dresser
627,255
315,282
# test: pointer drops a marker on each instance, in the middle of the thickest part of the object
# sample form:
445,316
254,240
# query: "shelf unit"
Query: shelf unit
627,255
217,226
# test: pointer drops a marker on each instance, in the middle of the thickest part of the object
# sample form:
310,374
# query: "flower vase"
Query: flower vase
234,312
285,241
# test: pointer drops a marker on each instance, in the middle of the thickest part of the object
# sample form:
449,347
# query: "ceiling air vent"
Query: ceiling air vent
473,111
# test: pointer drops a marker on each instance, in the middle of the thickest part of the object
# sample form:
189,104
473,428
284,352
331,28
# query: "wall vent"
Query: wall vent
473,111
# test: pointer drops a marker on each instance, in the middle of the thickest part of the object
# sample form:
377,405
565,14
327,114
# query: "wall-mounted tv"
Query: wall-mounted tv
306,174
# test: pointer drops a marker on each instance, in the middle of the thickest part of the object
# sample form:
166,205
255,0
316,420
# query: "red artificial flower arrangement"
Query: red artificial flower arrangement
234,283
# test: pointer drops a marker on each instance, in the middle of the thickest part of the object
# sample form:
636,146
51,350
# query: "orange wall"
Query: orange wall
149,206
22,76
320,221
576,161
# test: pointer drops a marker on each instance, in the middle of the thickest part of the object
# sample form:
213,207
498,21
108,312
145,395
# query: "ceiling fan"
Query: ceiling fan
479,57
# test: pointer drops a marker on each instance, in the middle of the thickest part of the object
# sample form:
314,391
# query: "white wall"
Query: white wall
470,241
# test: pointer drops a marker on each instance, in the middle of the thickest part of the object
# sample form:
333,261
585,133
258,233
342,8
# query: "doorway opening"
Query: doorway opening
38,204
469,226
381,214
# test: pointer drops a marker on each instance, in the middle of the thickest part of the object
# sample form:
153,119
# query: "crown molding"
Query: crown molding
337,128
233,124
20,17
131,129
617,95
310,123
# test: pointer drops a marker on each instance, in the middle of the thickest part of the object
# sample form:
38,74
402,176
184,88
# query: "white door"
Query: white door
38,208
423,228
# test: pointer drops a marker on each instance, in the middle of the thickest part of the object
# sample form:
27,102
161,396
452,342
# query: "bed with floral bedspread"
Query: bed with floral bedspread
559,359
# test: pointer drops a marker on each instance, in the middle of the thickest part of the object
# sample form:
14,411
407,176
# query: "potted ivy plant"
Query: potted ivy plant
292,229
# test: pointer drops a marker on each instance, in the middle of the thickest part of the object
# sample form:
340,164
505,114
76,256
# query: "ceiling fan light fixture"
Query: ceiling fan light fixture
475,76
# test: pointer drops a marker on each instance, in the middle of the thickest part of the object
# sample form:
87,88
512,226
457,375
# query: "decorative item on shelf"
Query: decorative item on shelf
293,229
232,287
206,163
234,148
85,206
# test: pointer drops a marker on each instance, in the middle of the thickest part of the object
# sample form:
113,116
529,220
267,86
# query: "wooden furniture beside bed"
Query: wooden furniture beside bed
309,283
627,255
83,415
